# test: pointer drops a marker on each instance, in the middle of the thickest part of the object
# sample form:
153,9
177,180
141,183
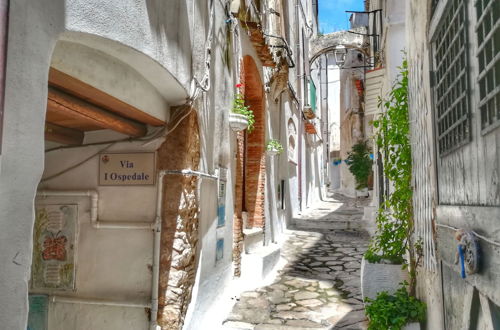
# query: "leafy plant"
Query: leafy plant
394,311
360,164
239,107
274,145
394,219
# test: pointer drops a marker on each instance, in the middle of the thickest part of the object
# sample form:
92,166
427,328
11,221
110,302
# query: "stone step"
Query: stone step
305,224
253,239
256,265
232,325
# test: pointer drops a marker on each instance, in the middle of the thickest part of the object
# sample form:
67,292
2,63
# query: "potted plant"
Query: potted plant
360,165
241,117
391,252
274,147
397,311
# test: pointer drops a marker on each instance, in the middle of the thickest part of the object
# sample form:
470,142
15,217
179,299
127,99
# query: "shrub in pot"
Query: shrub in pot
395,311
360,165
274,147
241,117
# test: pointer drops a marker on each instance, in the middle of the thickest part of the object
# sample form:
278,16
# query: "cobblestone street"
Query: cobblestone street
319,286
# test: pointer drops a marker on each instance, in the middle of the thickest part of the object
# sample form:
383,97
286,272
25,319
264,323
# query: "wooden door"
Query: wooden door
465,46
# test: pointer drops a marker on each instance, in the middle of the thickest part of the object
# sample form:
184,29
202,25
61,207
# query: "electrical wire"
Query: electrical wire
197,87
480,236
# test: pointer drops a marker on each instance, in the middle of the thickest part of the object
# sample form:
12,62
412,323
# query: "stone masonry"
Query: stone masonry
319,288
179,237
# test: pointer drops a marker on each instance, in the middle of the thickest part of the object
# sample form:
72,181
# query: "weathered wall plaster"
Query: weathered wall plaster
180,221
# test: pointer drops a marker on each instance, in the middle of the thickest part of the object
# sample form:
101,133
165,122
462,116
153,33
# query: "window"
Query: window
488,55
451,74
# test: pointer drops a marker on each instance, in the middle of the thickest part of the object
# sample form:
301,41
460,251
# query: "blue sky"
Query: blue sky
332,15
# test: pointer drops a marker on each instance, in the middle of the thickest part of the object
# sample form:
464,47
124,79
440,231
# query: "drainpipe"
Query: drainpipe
299,92
327,133
95,301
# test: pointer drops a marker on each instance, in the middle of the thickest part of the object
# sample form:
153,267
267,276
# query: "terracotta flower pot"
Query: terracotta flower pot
309,128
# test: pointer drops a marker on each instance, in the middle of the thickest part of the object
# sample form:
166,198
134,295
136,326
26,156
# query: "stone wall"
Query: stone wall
179,239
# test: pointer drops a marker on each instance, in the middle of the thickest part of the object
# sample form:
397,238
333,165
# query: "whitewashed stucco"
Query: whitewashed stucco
127,30
146,54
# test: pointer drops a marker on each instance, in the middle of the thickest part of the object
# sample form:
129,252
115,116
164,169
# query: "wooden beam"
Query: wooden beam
70,106
63,135
78,88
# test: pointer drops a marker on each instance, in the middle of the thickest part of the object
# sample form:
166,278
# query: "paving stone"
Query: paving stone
304,323
285,307
310,302
305,295
325,284
319,283
291,315
231,325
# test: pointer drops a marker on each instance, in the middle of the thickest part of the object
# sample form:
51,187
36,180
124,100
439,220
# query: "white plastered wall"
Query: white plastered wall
145,37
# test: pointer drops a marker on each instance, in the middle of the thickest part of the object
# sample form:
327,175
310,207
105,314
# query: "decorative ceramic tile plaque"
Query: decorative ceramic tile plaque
54,241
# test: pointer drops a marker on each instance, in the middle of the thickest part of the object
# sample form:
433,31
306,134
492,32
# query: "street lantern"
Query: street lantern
340,53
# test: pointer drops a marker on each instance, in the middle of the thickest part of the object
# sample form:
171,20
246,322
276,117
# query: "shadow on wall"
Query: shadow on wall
169,22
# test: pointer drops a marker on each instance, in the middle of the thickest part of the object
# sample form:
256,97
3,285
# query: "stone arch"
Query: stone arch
104,64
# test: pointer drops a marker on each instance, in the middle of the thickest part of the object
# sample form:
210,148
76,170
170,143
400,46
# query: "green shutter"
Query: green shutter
312,95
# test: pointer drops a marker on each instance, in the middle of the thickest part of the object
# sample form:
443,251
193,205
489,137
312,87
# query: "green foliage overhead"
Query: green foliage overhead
239,107
392,312
360,164
394,220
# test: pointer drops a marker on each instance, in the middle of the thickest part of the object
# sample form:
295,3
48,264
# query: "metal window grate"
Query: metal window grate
451,85
488,55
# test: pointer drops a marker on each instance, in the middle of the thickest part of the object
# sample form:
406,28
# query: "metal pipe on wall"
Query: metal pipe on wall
94,202
155,225
94,301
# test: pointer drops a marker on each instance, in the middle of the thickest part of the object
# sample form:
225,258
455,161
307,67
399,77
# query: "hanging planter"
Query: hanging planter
310,128
241,116
273,148
238,122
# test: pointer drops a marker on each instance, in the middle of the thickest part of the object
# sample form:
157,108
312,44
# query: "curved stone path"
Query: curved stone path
319,286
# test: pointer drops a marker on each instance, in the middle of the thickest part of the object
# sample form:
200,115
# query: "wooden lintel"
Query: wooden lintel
84,91
72,107
63,135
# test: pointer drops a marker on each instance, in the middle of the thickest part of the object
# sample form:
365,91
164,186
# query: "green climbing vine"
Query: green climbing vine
395,217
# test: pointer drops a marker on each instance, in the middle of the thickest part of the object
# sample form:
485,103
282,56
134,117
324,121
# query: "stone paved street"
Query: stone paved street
319,286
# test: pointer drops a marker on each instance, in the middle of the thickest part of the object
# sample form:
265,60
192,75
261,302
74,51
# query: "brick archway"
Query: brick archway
254,157
250,161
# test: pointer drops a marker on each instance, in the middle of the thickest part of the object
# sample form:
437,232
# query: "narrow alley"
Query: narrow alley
249,164
319,286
